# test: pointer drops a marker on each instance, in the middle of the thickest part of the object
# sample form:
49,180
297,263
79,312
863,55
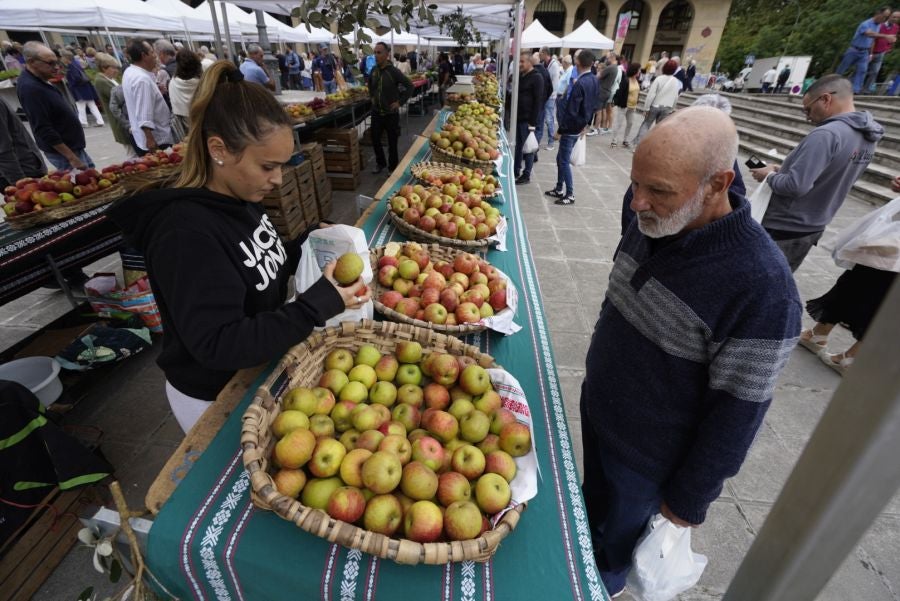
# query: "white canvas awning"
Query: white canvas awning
587,36
536,35
111,14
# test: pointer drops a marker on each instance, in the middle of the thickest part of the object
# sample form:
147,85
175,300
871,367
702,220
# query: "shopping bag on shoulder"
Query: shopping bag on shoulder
759,201
579,152
531,144
663,564
324,246
873,240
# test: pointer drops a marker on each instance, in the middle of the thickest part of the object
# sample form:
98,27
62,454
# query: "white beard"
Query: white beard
650,224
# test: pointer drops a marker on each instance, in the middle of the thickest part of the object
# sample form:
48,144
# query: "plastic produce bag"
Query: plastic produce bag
324,246
531,144
759,201
579,152
873,240
663,563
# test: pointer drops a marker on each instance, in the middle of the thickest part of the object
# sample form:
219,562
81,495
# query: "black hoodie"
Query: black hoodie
219,273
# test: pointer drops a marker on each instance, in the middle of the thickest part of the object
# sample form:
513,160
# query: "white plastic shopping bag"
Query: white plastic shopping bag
324,246
873,240
663,564
531,144
579,152
759,201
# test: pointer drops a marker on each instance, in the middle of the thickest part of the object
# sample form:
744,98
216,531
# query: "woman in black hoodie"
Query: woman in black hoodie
216,264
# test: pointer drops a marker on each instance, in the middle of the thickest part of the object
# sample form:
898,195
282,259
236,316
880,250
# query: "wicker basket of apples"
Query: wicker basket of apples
447,216
432,286
391,439
438,174
34,202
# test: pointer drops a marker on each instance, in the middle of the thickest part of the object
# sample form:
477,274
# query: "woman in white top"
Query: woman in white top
181,90
661,99
566,78
403,64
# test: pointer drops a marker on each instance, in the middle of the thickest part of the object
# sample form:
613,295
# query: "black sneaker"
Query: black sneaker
554,194
523,179
568,199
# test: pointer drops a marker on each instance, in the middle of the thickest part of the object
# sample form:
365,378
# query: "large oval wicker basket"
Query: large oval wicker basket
302,366
441,170
448,157
420,235
64,211
437,253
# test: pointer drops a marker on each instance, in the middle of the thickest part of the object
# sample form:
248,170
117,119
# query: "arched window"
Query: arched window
676,16
551,14
595,12
636,7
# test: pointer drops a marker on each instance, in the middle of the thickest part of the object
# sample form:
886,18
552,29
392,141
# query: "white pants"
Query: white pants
82,106
187,410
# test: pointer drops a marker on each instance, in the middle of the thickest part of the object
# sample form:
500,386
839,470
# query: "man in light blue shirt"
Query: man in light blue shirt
252,68
857,55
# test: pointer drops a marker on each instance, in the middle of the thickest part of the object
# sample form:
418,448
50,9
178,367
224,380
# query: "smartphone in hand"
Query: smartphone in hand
754,162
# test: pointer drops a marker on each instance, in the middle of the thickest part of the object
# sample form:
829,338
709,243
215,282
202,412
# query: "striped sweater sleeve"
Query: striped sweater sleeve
743,371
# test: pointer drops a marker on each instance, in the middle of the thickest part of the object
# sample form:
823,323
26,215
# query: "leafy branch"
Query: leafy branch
351,14
460,27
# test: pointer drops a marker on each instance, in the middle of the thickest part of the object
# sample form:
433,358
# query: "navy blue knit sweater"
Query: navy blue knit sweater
692,335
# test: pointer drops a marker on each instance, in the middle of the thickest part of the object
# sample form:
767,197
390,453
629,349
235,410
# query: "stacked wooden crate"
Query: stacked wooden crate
284,205
342,157
316,158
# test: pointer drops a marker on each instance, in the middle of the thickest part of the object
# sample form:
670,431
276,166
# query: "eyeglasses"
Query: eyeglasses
48,63
808,107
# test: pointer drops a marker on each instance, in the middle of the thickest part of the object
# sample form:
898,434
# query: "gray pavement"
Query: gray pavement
573,249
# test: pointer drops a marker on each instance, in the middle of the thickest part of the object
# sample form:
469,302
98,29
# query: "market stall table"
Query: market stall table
28,257
208,541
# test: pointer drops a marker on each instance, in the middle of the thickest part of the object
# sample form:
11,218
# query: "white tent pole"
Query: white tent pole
517,42
108,34
215,21
227,29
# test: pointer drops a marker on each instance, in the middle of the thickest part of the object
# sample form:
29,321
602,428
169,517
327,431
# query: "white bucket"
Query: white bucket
39,374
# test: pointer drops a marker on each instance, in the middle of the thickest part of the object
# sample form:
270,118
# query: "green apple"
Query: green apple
348,268
340,415
474,426
408,415
368,355
468,461
300,399
326,458
410,394
381,473
418,481
409,351
462,521
334,380
289,482
489,402
365,374
364,418
492,493
355,392
461,407
349,438
317,491
370,439
288,421
383,393
321,425
474,379
409,374
351,466
383,514
339,358
490,444
398,445
295,449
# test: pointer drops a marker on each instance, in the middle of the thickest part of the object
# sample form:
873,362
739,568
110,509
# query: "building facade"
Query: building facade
691,29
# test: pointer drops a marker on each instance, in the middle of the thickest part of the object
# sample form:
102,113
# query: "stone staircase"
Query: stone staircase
767,122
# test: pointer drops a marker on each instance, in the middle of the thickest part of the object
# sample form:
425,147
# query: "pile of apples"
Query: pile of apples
408,445
460,97
337,97
60,187
443,293
449,211
298,111
319,104
486,88
470,133
469,179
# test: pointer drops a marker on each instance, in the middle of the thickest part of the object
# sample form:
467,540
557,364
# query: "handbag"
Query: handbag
759,201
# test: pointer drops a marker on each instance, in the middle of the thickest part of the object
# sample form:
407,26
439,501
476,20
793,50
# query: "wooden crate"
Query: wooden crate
342,163
285,196
290,223
43,541
342,141
323,203
344,181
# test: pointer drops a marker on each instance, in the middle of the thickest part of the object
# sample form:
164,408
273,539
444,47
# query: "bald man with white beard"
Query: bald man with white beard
700,316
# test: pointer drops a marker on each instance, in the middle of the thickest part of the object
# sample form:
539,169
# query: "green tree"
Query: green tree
823,30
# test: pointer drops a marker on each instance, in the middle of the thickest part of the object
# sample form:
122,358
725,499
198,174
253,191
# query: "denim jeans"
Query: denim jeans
619,503
872,72
330,86
549,120
654,115
858,59
521,136
564,163
62,163
539,128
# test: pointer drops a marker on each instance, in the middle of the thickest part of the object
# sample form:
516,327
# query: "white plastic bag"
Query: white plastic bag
663,563
759,201
579,152
531,144
873,240
324,246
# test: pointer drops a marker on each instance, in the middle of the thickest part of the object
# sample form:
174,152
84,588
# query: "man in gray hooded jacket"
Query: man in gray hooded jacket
811,184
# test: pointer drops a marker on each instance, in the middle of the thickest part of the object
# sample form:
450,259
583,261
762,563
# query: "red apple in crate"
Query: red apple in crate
408,415
500,462
450,299
435,313
407,306
398,445
453,487
502,417
467,313
515,439
387,275
441,425
465,263
436,396
387,260
444,369
431,296
423,522
428,451
347,504
390,299
498,300
369,440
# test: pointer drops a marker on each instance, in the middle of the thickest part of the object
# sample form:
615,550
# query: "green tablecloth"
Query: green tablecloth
209,542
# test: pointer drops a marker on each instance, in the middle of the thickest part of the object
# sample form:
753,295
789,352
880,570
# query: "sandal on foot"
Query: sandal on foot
839,362
812,341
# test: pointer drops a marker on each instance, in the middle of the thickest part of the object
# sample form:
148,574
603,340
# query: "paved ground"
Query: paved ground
573,249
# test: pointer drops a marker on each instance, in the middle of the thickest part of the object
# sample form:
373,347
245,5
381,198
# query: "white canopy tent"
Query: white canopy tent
280,32
189,19
536,35
108,14
318,35
239,22
587,36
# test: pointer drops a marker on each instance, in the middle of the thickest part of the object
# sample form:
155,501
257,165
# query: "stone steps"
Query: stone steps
886,113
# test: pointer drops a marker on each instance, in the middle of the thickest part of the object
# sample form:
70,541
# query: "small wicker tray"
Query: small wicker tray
138,180
443,155
64,211
414,233
437,252
302,366
440,169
